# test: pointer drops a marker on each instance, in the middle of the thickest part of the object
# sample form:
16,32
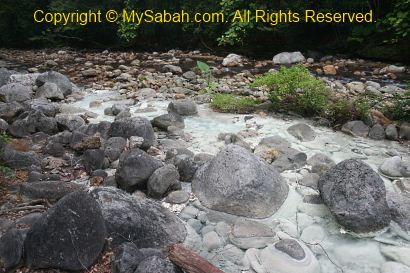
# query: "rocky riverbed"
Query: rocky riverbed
125,157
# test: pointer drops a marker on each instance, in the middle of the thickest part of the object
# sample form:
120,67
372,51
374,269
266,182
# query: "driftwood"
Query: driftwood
190,261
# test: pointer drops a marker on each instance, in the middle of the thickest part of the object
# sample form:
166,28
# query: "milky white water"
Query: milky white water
345,250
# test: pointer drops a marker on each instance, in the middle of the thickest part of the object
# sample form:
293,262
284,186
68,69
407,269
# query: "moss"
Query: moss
229,103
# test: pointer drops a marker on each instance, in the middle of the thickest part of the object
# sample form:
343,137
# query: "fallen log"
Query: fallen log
190,261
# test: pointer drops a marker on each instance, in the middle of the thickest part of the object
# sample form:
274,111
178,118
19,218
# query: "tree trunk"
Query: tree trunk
189,261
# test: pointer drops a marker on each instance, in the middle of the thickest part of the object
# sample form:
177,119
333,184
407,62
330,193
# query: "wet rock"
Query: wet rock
164,121
186,166
11,248
184,107
228,182
4,76
391,132
288,58
230,138
310,180
77,220
356,196
320,163
135,168
93,159
157,264
399,205
177,197
69,122
15,92
399,254
356,128
162,181
232,60
138,219
114,146
212,241
313,235
405,131
395,167
50,190
302,131
135,126
251,234
49,109
57,78
377,132
49,91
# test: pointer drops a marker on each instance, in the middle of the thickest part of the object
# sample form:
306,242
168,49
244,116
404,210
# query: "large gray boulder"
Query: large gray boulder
184,107
19,159
15,92
69,122
399,205
138,219
356,128
57,78
356,196
32,122
235,181
302,131
164,121
134,169
163,181
135,126
4,75
50,91
69,236
395,167
9,111
11,248
289,58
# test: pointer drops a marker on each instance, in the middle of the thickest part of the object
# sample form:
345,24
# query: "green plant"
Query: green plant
4,137
206,70
6,171
399,109
228,103
339,111
295,89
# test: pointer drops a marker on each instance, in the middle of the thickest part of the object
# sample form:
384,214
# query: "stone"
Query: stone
399,254
184,107
3,125
137,219
405,131
164,121
235,181
113,147
356,128
329,70
393,267
15,92
57,78
177,197
313,235
157,264
289,58
212,241
310,180
18,159
232,60
302,131
162,181
393,69
189,75
11,248
395,167
399,205
392,132
82,142
50,190
32,122
356,87
9,111
134,126
49,91
172,68
93,159
186,166
251,234
75,220
377,132
356,196
135,168
54,148
69,122
4,76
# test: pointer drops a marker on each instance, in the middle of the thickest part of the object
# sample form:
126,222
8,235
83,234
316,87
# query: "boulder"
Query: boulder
69,122
302,131
356,128
18,159
320,163
49,91
69,236
356,196
251,234
15,92
164,121
11,248
50,190
157,264
392,132
137,219
113,147
184,107
135,126
4,75
135,168
9,111
82,142
57,78
377,132
289,58
172,68
395,167
399,205
405,131
54,148
186,166
232,60
49,109
163,181
93,159
32,122
235,181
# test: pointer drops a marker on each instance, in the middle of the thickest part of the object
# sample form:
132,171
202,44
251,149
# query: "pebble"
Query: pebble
212,241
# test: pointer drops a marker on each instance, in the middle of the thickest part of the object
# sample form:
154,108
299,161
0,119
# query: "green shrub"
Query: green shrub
399,109
339,111
228,103
295,89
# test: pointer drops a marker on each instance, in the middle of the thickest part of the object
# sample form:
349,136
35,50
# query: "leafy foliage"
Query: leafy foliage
206,70
229,103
